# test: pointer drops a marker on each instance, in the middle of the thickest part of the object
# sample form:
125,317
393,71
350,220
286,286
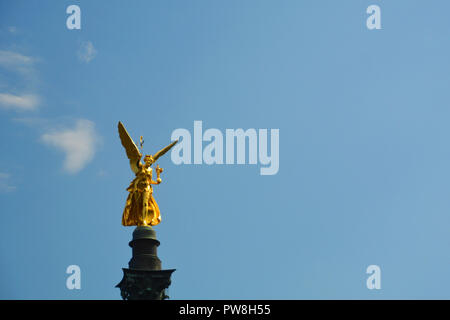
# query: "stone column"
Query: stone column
144,279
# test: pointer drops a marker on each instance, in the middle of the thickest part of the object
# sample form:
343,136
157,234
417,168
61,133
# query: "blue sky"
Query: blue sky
364,160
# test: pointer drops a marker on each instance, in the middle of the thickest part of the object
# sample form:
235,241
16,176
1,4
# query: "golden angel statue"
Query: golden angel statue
141,208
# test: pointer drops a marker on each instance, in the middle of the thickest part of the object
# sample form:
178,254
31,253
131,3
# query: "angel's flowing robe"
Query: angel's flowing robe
141,208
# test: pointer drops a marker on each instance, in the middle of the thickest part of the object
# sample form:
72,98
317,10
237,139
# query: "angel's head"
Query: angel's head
148,160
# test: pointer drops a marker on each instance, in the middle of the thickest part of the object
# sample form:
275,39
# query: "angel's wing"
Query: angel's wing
163,151
130,147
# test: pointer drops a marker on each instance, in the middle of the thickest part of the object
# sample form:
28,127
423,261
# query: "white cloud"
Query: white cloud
24,67
17,61
4,183
25,102
78,144
86,52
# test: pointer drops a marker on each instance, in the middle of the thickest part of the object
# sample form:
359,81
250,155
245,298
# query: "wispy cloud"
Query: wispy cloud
9,30
77,143
26,102
86,52
4,183
16,61
23,66
13,30
102,173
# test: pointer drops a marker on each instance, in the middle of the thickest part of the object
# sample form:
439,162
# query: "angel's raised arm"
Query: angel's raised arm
130,147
